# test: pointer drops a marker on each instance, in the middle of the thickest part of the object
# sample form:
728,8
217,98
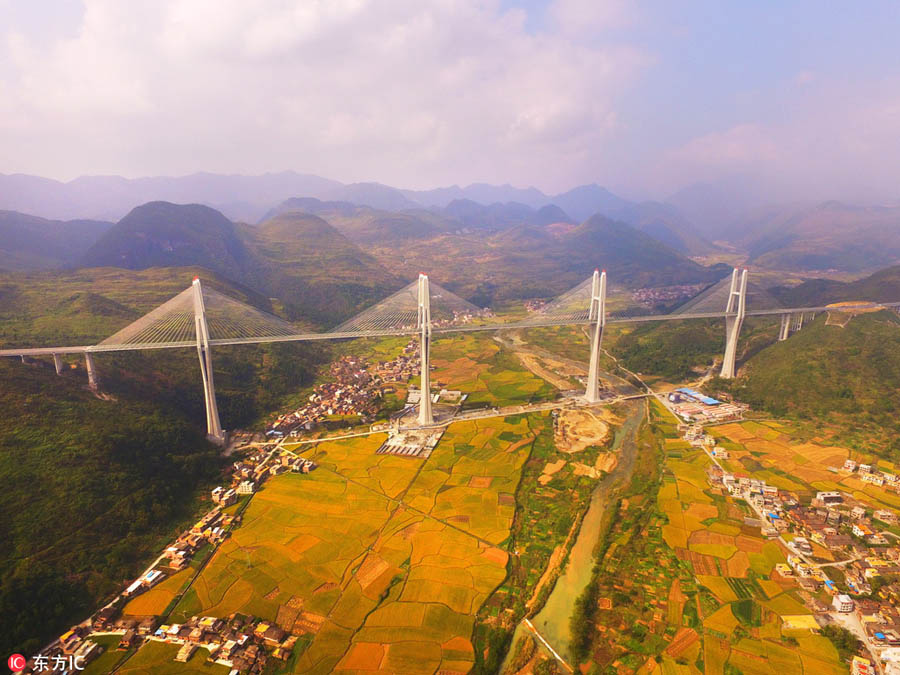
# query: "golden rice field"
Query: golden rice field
733,564
798,465
155,601
385,559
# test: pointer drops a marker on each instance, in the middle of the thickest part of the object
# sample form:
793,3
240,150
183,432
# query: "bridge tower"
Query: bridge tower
735,311
426,416
785,329
213,426
598,318
91,367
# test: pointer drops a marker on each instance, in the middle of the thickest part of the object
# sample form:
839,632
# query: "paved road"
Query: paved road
563,403
852,623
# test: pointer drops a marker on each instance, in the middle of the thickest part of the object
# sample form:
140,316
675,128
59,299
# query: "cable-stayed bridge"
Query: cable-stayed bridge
203,318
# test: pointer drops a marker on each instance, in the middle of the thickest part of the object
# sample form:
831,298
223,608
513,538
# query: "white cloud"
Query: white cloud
406,92
834,142
742,147
587,17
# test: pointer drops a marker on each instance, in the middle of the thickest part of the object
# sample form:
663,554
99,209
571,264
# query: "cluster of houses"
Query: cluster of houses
249,473
869,474
666,295
853,533
353,389
458,318
70,653
240,642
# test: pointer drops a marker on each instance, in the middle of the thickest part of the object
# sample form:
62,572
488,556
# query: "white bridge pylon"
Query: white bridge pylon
598,318
426,415
586,303
202,318
735,311
213,424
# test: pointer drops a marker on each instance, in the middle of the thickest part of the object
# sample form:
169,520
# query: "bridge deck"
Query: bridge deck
301,337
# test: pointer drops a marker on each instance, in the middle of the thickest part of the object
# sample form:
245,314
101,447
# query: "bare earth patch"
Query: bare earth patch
550,469
579,429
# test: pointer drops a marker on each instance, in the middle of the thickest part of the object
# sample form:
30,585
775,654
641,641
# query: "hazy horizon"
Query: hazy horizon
647,98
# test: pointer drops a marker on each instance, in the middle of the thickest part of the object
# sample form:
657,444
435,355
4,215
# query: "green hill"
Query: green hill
117,478
315,271
847,374
367,226
87,497
664,223
311,265
160,234
632,257
882,286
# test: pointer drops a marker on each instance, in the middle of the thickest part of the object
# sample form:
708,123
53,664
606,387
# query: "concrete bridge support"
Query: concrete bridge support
785,330
735,311
798,322
58,364
598,317
214,430
93,382
426,416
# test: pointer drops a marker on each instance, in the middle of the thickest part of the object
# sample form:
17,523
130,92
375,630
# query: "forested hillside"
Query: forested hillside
93,488
848,373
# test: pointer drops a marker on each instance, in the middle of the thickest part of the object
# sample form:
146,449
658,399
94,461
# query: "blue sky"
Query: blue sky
802,99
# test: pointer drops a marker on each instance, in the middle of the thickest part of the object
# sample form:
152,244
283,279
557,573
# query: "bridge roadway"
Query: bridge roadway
300,337
484,413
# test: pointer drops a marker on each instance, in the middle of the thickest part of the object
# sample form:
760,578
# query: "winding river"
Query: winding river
552,622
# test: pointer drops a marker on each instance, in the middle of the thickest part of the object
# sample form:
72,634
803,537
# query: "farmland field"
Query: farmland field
476,365
385,559
711,573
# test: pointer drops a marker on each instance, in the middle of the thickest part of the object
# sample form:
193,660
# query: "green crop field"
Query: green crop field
157,658
712,573
476,365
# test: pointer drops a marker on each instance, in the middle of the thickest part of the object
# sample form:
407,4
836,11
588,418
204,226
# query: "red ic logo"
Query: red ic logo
16,662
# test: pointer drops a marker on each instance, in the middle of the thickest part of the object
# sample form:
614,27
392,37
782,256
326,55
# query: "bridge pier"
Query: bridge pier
214,430
598,317
58,364
93,382
785,329
426,415
735,311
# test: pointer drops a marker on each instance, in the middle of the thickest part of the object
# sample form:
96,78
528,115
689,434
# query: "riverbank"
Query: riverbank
552,621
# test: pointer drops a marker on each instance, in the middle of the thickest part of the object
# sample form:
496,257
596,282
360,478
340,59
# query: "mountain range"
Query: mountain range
249,198
51,224
316,272
30,242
